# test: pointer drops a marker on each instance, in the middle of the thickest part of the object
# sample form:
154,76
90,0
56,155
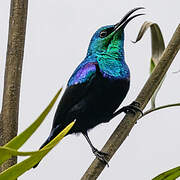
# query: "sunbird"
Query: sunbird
98,85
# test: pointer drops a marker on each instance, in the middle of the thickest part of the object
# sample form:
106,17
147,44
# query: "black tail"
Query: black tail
53,134
45,143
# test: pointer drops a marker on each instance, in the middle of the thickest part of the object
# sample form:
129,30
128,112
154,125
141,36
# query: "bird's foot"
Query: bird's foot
101,156
132,108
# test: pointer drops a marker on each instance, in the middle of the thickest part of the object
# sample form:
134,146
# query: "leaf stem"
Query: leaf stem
158,108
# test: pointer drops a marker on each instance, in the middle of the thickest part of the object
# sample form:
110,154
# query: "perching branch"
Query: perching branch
12,79
125,126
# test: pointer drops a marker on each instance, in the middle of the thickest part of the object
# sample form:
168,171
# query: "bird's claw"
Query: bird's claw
101,156
133,108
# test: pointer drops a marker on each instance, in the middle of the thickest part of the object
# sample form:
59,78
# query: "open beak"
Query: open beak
125,20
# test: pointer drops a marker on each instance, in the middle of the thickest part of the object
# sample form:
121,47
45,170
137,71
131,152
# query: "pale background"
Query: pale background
58,33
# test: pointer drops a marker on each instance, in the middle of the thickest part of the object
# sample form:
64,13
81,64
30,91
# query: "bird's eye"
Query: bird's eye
103,34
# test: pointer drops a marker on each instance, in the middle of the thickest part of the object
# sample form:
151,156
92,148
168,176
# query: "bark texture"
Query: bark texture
12,78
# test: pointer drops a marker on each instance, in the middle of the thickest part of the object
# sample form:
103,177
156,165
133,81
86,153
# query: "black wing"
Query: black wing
76,92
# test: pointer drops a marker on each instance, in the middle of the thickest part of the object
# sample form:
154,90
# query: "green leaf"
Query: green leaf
18,169
158,47
19,140
10,149
6,153
172,174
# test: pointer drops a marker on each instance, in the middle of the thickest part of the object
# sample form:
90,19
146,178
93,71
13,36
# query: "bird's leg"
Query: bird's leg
100,155
132,108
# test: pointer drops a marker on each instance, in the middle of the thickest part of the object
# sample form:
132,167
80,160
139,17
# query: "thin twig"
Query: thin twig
125,126
158,108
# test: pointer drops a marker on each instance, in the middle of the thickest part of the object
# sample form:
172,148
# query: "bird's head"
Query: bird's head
109,40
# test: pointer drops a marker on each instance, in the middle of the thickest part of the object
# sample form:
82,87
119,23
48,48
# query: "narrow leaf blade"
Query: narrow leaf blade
171,174
18,169
158,47
19,140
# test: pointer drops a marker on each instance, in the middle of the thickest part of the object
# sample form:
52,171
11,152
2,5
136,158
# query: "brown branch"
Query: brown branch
125,126
12,79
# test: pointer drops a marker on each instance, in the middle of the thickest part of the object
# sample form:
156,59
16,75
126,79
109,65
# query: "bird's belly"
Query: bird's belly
100,103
